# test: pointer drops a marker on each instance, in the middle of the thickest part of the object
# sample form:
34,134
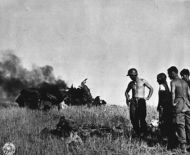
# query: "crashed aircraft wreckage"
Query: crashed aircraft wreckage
48,95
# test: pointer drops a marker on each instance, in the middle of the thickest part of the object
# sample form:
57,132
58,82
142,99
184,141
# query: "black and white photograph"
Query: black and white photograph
94,77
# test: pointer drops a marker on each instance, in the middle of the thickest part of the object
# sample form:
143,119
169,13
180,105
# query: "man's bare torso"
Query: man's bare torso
138,88
181,88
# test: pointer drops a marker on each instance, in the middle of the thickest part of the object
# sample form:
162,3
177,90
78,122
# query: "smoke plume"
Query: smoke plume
14,77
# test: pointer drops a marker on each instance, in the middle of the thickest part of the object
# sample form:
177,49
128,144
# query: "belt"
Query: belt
137,98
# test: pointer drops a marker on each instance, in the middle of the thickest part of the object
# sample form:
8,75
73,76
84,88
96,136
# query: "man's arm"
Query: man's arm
158,107
188,93
150,90
172,84
127,93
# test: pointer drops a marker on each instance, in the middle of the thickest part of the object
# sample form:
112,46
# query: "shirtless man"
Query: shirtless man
138,101
181,107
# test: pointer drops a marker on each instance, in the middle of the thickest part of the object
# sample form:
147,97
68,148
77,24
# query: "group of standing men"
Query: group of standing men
173,105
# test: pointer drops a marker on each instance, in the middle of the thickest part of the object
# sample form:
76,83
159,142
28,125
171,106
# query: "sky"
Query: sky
99,40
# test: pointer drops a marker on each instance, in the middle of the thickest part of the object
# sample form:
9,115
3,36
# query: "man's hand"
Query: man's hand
127,102
174,104
127,99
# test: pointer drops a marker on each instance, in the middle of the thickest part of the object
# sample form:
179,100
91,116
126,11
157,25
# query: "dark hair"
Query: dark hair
173,69
184,72
161,76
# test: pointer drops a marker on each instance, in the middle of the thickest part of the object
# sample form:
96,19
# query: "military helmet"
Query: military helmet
132,72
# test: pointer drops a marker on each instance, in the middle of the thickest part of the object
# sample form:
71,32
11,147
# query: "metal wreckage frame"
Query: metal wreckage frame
48,95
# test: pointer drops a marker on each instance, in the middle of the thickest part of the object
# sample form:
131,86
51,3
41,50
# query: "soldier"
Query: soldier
138,101
185,75
165,109
181,107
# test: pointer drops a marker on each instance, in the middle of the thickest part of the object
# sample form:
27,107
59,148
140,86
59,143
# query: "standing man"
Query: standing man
181,107
164,105
138,101
165,111
185,75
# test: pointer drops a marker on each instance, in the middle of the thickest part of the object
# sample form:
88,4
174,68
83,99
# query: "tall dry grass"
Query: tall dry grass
22,127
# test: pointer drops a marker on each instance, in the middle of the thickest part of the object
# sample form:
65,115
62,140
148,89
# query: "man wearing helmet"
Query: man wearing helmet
138,101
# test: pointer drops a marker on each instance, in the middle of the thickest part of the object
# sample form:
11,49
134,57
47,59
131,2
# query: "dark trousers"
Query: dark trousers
138,115
165,119
167,127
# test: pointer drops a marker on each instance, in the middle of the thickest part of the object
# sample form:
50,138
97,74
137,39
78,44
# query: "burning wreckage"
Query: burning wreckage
48,95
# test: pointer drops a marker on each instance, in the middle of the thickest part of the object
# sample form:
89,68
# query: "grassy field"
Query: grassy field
22,127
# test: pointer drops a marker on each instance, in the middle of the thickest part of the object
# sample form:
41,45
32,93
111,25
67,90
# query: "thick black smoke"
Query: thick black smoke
14,77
